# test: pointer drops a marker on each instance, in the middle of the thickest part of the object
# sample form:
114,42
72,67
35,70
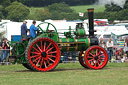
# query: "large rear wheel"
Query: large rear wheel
42,54
96,57
81,60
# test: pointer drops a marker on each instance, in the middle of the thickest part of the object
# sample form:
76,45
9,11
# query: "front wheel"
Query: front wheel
96,57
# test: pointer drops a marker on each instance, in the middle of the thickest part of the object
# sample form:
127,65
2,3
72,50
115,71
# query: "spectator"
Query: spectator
33,29
124,59
1,51
24,31
101,41
121,42
126,46
5,47
103,44
109,48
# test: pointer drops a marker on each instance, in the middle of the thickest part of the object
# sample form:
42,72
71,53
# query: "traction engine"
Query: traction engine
43,52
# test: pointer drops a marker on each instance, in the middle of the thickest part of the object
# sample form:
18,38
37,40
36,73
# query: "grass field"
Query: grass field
83,8
65,74
98,8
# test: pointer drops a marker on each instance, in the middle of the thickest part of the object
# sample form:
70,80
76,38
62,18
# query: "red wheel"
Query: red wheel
96,57
42,54
81,60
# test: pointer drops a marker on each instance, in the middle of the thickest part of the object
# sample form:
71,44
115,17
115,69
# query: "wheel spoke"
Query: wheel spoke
102,58
100,61
89,57
41,62
44,46
35,49
35,53
96,51
95,63
91,54
35,59
50,49
34,56
51,60
52,52
38,62
100,55
48,46
48,63
45,64
41,45
90,60
92,63
51,56
39,48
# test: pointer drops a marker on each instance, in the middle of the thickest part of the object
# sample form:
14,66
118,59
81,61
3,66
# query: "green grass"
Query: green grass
83,8
33,9
98,8
65,74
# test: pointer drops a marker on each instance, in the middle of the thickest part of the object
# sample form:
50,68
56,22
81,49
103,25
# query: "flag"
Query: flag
81,14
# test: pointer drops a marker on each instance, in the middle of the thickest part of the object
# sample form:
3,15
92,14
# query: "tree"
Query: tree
17,11
112,8
40,14
1,14
59,7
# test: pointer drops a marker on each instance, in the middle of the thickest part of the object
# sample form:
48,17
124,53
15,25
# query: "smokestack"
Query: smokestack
91,22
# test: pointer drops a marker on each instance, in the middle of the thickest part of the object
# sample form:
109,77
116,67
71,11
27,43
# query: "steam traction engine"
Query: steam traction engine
43,52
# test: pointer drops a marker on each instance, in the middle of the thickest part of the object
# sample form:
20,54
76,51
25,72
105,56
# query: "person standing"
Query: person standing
126,46
121,42
33,29
6,49
1,51
24,31
109,48
100,41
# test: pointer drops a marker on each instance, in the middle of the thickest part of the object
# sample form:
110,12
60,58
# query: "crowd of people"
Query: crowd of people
116,53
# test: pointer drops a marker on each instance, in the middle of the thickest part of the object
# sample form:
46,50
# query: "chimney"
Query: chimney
91,22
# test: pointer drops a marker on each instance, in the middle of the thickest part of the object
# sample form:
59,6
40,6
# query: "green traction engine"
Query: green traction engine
43,52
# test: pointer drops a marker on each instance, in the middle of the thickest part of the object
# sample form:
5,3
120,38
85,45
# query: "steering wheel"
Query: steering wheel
47,29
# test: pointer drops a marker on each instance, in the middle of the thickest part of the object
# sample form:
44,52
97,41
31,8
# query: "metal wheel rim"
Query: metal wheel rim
81,60
44,63
94,57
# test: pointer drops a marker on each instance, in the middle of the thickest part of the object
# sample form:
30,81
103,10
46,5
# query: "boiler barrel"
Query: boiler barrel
73,44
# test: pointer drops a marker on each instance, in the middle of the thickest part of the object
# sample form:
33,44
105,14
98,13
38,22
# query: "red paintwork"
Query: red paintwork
101,23
52,51
92,53
81,60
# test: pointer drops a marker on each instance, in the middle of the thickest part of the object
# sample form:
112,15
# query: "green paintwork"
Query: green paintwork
71,42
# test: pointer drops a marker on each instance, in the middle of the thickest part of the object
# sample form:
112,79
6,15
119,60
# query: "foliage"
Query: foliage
59,7
112,8
1,13
40,3
17,11
83,8
40,14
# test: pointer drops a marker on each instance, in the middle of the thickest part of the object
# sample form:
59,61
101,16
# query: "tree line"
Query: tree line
16,11
40,3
